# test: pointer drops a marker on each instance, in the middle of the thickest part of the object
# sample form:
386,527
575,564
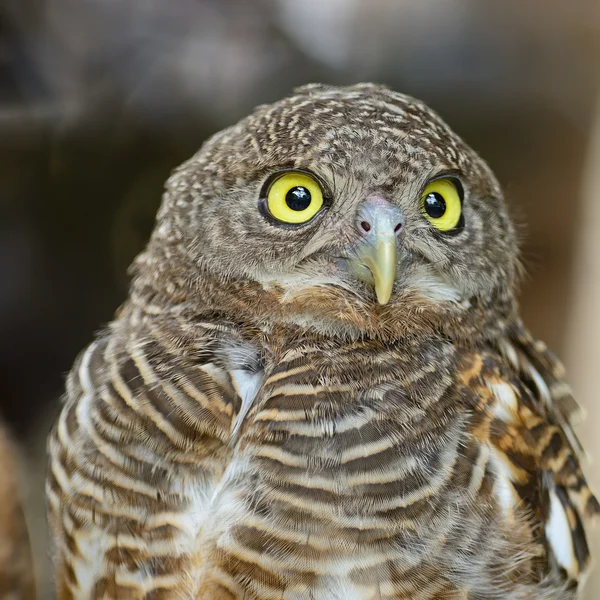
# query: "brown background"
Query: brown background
100,99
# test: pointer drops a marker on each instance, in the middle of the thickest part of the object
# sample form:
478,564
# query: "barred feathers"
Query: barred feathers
255,425
357,470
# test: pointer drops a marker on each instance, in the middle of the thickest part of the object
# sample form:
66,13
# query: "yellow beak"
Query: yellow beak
374,258
380,259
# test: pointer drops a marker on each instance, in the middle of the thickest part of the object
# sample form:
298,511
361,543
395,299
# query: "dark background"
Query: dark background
100,99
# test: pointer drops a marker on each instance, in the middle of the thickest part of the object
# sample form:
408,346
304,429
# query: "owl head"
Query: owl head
351,211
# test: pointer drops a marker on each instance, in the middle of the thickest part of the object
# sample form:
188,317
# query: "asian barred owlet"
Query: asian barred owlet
319,387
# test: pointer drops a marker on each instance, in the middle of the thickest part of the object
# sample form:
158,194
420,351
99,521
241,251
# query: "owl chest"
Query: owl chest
351,452
333,477
343,426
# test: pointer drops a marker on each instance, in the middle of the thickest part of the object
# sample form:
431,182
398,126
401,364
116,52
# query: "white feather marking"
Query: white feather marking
337,588
297,425
541,385
83,410
143,581
505,492
558,534
296,282
506,407
226,506
509,352
432,287
246,385
478,472
88,564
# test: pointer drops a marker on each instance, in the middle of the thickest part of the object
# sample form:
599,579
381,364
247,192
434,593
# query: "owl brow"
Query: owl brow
454,174
334,186
428,228
341,196
413,187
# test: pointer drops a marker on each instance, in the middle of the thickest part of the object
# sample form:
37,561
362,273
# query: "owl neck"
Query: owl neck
322,312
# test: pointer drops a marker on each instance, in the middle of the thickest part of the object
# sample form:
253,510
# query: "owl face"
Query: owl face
345,202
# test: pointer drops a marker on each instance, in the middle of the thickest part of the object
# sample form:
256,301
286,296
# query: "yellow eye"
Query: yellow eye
294,198
441,205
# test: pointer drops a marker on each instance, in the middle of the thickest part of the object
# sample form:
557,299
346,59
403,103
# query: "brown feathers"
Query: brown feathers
256,425
529,443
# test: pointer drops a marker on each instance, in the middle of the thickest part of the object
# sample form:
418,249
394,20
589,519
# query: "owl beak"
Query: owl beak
374,258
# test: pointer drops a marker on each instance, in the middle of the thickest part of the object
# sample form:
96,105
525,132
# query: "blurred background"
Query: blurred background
101,99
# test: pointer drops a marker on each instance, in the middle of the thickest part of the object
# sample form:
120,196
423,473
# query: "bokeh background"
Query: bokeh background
101,99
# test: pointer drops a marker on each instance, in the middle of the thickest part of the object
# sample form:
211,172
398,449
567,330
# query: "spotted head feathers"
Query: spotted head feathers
361,145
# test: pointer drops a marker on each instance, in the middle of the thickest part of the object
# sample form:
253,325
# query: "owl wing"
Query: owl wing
16,568
522,416
135,458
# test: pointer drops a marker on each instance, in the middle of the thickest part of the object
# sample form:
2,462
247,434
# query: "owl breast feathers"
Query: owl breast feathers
319,387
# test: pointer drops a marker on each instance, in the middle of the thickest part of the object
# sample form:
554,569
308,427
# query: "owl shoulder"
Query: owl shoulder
522,413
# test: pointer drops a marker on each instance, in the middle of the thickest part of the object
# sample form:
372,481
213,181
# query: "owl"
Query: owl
319,387
16,567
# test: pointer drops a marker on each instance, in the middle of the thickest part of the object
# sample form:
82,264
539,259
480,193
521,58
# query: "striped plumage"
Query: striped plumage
255,425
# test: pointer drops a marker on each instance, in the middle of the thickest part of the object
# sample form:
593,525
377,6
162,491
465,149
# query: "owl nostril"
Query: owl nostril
378,217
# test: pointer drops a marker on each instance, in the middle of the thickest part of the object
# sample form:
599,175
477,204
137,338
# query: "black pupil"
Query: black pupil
435,205
298,198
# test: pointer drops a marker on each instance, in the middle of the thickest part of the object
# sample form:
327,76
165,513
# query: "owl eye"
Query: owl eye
294,198
441,204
